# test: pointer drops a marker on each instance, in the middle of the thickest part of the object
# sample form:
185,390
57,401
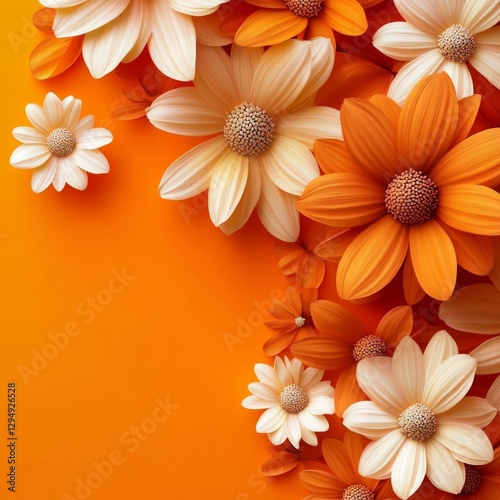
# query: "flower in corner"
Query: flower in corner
295,400
61,147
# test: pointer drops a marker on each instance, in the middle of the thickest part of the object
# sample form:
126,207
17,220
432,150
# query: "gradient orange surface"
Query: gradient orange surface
129,324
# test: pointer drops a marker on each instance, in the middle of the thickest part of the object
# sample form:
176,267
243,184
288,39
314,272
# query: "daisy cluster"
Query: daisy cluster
364,135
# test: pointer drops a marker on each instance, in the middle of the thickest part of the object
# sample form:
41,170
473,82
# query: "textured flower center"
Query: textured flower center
456,43
293,398
248,129
411,197
418,422
61,142
305,8
358,492
472,479
367,347
300,321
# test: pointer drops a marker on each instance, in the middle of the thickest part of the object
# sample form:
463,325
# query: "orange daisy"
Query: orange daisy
344,481
278,20
343,342
419,187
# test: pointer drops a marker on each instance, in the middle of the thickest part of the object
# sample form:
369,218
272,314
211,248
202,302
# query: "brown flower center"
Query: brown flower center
61,142
418,422
367,347
358,492
305,8
293,398
411,197
248,129
472,479
300,321
456,43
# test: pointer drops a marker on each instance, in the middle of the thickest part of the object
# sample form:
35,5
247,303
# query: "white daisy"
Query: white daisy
419,418
295,401
61,148
118,30
443,35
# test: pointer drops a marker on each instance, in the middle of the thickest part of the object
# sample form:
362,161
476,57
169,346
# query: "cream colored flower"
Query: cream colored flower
259,106
61,148
487,355
444,35
118,30
419,418
295,401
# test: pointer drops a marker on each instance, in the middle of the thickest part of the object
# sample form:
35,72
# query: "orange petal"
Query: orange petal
268,4
269,27
317,26
470,208
289,263
308,296
54,55
389,107
280,463
434,259
322,483
323,353
494,274
468,108
474,161
428,122
338,459
372,259
333,247
343,200
278,342
370,138
43,19
311,271
347,390
332,157
474,252
345,16
412,289
395,324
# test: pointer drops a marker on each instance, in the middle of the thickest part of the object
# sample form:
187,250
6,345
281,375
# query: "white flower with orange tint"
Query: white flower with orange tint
444,35
295,401
419,416
61,148
118,30
259,106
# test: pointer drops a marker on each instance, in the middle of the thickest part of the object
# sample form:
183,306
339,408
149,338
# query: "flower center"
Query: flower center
367,347
248,129
418,422
293,398
305,8
472,479
61,142
358,492
456,43
300,321
411,197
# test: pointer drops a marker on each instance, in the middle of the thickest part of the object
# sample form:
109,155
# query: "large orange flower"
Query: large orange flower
419,185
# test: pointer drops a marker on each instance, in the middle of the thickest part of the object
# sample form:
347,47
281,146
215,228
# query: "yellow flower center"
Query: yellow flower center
456,43
305,8
358,492
249,129
293,398
61,142
300,321
418,422
472,479
367,347
411,197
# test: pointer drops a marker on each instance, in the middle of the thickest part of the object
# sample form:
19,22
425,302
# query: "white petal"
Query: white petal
308,436
278,436
426,15
190,174
467,443
29,156
289,164
366,418
196,7
105,47
310,377
281,372
55,4
43,176
184,111
226,186
173,42
408,368
91,161
255,403
378,457
85,123
263,391
409,468
479,15
271,419
402,41
443,470
460,76
208,31
59,180
293,430
29,135
471,410
486,60
146,24
309,124
487,355
245,60
72,109
266,375
93,138
412,72
75,176
53,109
440,347
322,388
316,423
87,17
36,116
322,405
